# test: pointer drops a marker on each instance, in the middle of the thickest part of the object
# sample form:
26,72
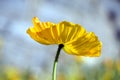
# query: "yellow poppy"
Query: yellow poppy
76,40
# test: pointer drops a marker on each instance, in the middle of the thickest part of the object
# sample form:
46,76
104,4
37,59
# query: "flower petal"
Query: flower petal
87,45
62,33
39,26
36,37
68,32
35,32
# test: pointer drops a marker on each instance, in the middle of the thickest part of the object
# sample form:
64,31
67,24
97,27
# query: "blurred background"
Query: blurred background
21,58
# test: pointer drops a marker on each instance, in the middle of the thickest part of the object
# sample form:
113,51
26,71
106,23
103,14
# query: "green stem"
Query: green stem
56,61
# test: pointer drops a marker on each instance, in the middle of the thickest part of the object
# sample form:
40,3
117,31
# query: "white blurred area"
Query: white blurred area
18,49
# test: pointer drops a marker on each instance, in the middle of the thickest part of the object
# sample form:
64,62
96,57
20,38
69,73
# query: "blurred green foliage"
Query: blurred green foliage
107,70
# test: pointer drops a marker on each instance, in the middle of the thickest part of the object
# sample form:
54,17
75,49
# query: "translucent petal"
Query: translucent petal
39,26
36,37
87,45
37,32
62,33
68,32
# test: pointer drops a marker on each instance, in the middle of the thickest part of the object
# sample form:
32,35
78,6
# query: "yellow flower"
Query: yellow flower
74,37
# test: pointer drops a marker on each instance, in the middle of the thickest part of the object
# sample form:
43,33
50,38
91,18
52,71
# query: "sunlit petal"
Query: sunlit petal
88,45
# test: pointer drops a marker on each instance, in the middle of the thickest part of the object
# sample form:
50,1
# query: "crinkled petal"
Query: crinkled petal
35,32
87,45
68,32
64,32
37,38
39,26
